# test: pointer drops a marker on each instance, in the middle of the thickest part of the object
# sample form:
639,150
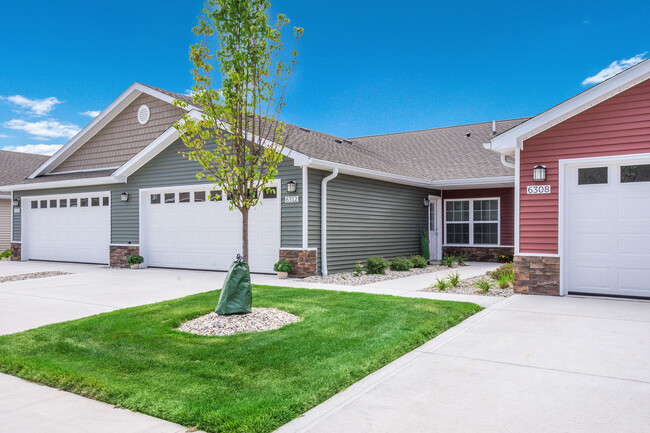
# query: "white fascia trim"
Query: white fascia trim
105,180
5,197
297,249
537,255
108,114
513,138
476,182
88,170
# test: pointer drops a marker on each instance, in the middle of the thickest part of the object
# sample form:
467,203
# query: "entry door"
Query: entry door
607,227
435,222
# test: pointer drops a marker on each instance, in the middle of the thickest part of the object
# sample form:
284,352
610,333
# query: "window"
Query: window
270,193
215,195
155,198
199,196
94,201
183,197
43,204
34,204
472,222
592,176
635,173
170,197
73,202
63,202
53,203
84,202
105,201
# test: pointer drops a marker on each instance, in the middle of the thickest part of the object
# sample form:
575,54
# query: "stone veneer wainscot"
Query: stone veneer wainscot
304,262
537,275
119,253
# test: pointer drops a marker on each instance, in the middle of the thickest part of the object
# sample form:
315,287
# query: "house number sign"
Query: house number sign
538,189
292,199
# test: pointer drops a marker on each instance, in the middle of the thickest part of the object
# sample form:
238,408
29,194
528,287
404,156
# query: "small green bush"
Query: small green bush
376,265
484,285
461,258
419,262
441,285
448,261
134,259
283,266
454,279
5,254
401,264
358,269
507,268
505,279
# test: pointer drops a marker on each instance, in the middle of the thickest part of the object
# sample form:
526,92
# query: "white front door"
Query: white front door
607,227
435,222
67,228
183,228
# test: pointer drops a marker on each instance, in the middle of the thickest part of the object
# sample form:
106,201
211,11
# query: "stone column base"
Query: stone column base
480,254
537,275
119,253
304,262
16,251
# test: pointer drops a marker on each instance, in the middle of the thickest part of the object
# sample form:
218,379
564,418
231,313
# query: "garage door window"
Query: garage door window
105,201
63,202
170,198
592,176
52,203
215,195
183,197
94,201
73,202
199,196
155,198
635,173
472,222
270,193
34,204
84,202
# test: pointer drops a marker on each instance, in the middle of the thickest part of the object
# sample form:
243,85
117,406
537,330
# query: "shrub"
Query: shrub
419,262
508,268
401,264
447,261
454,279
5,254
484,284
358,269
505,279
134,259
441,285
283,266
505,259
376,265
461,258
424,245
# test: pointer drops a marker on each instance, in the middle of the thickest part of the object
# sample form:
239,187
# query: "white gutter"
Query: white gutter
65,183
305,208
323,220
505,162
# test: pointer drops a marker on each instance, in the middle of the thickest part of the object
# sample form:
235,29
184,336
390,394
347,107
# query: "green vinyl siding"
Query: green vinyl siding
168,168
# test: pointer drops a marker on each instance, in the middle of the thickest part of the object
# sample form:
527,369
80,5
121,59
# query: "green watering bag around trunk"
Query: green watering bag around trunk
236,295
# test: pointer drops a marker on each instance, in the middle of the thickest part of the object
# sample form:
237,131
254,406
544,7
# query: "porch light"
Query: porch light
539,173
426,202
291,186
124,196
16,202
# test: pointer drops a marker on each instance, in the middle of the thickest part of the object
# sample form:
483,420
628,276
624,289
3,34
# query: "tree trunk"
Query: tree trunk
244,233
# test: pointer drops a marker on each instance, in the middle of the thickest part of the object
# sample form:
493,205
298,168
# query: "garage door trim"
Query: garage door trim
563,166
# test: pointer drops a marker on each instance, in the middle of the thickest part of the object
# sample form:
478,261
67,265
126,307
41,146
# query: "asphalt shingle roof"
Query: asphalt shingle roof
16,166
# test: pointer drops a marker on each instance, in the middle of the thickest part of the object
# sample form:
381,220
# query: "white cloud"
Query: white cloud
37,107
4,136
44,129
614,68
43,149
91,113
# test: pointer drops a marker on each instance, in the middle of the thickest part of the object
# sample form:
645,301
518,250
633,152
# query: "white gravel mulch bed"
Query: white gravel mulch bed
347,279
466,287
261,319
30,276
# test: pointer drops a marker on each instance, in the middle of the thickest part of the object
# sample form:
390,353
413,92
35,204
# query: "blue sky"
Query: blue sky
365,67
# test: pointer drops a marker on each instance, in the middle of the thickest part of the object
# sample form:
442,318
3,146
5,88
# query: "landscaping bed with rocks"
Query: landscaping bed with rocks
261,319
467,287
494,283
30,276
348,279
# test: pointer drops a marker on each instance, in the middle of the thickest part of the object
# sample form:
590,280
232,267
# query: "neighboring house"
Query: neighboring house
120,186
14,167
584,227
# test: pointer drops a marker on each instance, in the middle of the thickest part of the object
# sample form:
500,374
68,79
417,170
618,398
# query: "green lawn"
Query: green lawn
251,382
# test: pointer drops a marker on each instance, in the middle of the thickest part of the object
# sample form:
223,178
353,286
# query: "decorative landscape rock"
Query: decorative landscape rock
261,319
466,287
347,279
32,275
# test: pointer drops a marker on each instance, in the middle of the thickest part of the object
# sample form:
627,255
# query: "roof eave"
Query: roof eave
103,180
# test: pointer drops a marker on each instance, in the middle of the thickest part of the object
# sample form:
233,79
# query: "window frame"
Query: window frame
471,222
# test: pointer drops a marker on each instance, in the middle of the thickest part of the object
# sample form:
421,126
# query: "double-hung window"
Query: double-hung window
472,222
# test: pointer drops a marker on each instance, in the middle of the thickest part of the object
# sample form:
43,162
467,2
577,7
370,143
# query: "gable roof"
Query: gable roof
507,142
16,166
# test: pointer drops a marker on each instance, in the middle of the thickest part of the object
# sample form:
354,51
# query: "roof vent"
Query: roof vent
339,141
469,134
494,127
143,114
304,129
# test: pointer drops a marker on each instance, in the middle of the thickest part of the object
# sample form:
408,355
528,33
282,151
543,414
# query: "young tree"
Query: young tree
238,138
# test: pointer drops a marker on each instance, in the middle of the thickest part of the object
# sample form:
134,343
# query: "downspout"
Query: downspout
505,162
323,220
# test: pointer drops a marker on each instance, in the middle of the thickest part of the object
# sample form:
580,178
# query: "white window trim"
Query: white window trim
471,222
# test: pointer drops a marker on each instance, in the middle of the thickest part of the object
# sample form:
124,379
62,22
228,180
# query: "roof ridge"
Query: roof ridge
439,128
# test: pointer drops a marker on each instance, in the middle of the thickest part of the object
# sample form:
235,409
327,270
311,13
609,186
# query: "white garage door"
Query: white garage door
67,228
185,228
607,227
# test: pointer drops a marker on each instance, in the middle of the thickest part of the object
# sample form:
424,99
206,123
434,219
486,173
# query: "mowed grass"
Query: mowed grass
252,382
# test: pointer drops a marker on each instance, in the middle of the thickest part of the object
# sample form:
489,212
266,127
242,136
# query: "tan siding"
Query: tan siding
123,137
5,224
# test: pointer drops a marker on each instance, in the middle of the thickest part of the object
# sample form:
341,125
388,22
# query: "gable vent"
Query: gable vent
143,114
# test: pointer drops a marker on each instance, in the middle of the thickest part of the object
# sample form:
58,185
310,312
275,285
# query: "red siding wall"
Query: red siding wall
618,126
507,211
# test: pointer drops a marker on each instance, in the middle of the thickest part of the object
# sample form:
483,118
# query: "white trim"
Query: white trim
517,191
89,170
471,221
482,182
537,255
305,207
515,137
297,249
6,196
65,183
124,245
11,219
323,220
477,246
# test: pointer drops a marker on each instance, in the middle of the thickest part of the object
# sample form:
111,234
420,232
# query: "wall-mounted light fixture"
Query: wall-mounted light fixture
426,202
539,173
16,202
124,196
291,186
